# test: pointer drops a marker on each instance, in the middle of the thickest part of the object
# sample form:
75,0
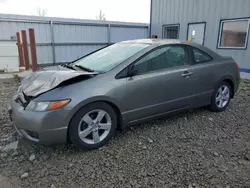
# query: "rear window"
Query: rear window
200,56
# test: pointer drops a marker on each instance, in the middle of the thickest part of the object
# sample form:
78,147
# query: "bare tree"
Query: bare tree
101,16
41,12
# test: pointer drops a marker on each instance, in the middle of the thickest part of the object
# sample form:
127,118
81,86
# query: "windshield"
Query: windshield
108,58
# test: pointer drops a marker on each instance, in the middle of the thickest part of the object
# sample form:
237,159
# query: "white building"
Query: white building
221,25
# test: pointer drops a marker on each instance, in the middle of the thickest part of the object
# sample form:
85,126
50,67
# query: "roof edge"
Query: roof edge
58,19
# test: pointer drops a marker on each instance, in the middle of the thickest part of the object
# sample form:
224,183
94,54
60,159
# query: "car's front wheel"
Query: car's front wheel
221,97
93,126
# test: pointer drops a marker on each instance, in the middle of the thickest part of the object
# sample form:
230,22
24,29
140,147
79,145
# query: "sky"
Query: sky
114,10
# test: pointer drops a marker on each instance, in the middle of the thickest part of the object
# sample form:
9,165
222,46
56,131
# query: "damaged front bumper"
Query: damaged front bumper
40,127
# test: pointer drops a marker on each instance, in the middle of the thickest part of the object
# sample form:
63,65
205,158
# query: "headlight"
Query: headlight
46,106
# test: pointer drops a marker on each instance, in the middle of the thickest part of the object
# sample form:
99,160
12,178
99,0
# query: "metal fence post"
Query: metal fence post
52,42
33,49
20,51
25,50
109,34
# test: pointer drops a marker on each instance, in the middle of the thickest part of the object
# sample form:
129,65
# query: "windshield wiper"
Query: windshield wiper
68,66
83,68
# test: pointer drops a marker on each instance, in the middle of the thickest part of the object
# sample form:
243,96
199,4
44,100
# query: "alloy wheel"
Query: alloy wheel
222,96
94,126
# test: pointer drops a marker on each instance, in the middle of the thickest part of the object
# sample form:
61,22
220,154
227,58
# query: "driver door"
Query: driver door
157,83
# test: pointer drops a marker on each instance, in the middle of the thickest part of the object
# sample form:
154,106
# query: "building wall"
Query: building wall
64,40
9,61
210,11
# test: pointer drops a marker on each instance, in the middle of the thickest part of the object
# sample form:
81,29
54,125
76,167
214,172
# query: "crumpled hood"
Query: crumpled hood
47,79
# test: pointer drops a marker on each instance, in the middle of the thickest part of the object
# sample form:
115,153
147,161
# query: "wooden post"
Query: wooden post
25,50
20,51
33,49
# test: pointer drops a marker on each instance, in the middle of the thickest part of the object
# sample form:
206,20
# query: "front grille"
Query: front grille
23,99
19,100
27,98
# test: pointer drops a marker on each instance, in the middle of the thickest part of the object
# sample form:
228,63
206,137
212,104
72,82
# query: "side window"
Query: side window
176,56
166,57
200,57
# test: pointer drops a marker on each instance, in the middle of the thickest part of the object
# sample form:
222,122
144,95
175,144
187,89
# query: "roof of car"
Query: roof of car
154,41
158,42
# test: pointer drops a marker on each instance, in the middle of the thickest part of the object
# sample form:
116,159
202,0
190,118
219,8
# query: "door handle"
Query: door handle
186,74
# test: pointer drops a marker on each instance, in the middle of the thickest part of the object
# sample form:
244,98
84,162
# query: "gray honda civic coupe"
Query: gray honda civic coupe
86,101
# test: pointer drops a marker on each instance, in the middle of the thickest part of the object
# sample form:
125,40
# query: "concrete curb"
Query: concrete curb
244,75
11,77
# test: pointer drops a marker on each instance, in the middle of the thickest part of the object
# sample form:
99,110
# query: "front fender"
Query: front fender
92,100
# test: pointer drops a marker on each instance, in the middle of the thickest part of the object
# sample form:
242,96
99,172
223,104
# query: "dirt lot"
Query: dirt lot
193,149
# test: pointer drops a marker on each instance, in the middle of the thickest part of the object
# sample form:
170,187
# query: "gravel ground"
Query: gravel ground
193,149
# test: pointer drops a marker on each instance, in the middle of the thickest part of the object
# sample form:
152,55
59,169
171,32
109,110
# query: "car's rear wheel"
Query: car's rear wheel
221,97
93,126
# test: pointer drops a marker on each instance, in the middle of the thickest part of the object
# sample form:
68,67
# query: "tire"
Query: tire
87,121
216,106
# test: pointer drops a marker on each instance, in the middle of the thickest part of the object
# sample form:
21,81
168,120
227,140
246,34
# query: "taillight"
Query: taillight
236,64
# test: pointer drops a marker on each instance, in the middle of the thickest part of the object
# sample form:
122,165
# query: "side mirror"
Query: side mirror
132,72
